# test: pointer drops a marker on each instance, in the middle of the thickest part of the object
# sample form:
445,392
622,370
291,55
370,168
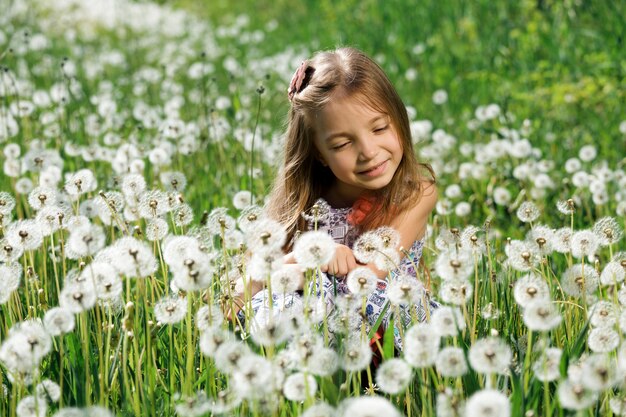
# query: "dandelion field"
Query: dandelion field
139,141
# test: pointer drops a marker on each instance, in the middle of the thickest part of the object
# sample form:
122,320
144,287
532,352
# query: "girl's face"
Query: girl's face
359,145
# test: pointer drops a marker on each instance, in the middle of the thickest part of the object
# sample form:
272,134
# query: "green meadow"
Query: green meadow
140,140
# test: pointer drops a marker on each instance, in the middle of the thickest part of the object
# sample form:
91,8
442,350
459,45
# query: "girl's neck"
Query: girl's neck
340,199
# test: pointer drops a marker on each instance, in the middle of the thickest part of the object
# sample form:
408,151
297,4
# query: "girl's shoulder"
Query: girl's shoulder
425,197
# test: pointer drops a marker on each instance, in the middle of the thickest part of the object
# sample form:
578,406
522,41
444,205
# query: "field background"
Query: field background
130,72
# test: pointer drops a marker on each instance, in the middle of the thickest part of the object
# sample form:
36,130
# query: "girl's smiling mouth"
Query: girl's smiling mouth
376,170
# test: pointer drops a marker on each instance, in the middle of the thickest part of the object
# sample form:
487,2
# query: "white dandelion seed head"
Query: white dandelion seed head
456,292
584,243
266,236
473,241
602,314
602,339
183,215
574,396
170,309
318,213
248,217
449,404
356,355
320,410
271,332
48,390
447,321
613,273
196,273
393,376
421,345
444,207
587,153
228,355
30,406
488,403
156,229
367,247
24,234
387,259
608,231
8,252
255,377
361,281
7,203
23,186
369,406
85,241
299,387
133,185
405,290
50,219
133,258
194,405
107,203
208,317
58,321
448,239
212,338
323,362
541,237
501,196
287,279
303,346
547,366
219,221
261,266
344,322
314,249
454,265
173,180
566,207
578,279
81,182
529,288
490,355
599,372
451,362
541,315
88,208
153,203
618,406
528,212
561,240
11,276
242,199
522,256
41,197
78,296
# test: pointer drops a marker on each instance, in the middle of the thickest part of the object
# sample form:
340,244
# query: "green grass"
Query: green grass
558,64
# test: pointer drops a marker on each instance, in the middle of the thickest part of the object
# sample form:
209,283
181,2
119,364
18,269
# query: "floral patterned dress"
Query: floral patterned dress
328,287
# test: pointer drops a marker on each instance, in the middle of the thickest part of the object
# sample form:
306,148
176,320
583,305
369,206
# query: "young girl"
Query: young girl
348,142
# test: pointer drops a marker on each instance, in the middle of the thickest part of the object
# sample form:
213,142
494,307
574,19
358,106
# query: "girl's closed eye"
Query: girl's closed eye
381,128
339,146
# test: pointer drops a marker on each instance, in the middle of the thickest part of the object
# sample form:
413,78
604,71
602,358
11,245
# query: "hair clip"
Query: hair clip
300,79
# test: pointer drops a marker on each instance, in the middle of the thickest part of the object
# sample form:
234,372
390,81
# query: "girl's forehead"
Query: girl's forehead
356,104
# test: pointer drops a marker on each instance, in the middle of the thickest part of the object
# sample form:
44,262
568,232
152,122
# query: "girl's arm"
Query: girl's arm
411,224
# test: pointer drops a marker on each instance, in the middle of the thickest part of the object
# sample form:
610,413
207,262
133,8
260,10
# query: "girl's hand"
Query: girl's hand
342,263
232,306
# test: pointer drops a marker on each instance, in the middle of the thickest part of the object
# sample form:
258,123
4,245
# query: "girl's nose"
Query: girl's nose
368,150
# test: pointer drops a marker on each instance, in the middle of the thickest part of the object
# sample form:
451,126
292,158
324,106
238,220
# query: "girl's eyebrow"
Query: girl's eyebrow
371,122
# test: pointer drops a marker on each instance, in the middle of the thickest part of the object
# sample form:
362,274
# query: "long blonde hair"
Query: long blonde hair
302,179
